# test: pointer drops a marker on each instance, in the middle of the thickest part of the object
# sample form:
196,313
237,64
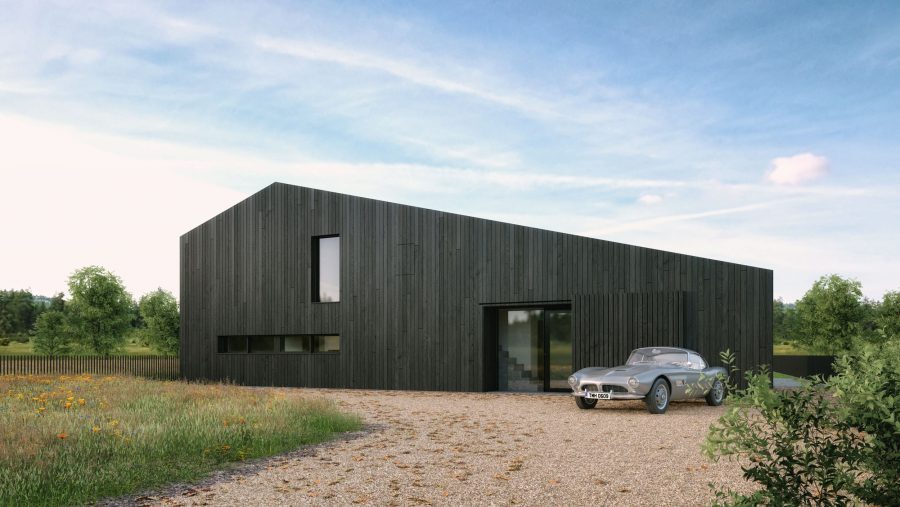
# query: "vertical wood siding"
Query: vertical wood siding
415,284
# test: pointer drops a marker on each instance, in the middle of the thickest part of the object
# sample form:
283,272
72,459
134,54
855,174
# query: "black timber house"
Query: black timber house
301,287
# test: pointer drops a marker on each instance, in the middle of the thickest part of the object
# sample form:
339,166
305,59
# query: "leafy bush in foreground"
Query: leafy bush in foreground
825,443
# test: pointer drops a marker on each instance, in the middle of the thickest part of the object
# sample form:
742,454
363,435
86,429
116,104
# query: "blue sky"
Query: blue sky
763,133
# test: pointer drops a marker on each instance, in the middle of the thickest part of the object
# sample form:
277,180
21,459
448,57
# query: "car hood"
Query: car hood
615,373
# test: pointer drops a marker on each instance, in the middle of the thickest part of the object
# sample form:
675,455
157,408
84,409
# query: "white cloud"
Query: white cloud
800,168
650,199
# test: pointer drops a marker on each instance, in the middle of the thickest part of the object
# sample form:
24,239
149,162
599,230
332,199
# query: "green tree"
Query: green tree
52,336
784,321
830,314
159,311
18,312
888,315
57,303
100,309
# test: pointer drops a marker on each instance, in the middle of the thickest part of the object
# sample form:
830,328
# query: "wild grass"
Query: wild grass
75,439
27,349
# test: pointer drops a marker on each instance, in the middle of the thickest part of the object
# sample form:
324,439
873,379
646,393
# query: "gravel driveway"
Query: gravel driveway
487,448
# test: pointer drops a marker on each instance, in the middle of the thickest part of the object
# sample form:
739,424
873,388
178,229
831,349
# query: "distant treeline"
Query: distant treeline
96,319
833,315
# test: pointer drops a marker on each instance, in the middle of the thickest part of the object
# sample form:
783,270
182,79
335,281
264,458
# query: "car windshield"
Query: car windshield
657,356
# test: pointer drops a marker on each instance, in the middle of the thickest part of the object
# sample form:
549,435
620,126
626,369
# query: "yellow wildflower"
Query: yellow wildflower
68,404
96,429
81,401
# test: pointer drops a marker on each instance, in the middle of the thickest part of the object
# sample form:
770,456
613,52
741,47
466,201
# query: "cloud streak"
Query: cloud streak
651,223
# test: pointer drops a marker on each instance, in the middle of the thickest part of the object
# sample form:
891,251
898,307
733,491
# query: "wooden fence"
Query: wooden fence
158,367
804,366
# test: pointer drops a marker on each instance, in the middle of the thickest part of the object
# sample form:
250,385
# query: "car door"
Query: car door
681,376
695,367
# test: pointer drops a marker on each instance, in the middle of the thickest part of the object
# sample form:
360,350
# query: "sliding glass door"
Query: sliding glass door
535,349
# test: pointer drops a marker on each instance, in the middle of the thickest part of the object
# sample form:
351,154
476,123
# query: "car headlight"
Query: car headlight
572,380
633,382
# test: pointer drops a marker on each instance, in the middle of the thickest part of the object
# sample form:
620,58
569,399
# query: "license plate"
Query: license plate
597,396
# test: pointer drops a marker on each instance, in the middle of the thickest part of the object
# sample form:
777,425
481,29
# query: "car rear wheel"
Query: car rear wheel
584,403
716,394
658,398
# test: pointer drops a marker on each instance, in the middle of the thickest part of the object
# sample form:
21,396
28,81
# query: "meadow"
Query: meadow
793,349
75,439
129,348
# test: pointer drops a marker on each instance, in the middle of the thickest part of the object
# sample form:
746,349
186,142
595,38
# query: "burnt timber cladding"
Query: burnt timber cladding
416,286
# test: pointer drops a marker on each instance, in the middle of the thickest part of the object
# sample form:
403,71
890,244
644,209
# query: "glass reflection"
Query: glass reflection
521,354
559,341
330,269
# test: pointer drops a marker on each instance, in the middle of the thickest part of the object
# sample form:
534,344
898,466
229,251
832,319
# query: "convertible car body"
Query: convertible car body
656,375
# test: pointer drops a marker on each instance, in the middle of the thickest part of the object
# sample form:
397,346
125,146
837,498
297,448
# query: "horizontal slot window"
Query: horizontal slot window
277,344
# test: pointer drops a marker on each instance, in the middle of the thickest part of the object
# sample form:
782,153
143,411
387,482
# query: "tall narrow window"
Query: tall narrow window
326,279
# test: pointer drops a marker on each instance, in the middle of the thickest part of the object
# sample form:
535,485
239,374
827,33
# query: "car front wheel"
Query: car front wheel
584,403
658,398
716,394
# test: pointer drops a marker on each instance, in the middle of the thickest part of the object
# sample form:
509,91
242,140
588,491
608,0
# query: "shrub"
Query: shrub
867,386
831,443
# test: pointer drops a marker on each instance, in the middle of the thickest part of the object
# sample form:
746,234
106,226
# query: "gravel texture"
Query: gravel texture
483,449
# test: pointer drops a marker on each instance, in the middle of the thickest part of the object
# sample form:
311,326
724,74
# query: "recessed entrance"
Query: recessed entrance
534,348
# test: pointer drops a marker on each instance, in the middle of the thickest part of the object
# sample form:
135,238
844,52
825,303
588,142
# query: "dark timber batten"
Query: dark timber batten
417,285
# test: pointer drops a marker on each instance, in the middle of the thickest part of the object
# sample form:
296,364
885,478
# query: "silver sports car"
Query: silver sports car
656,375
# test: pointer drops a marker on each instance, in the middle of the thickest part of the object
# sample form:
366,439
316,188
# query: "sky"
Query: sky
763,133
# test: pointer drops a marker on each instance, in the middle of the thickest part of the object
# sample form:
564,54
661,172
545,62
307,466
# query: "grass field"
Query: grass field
73,440
25,349
790,349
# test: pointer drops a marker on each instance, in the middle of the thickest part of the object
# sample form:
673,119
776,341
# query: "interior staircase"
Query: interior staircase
517,377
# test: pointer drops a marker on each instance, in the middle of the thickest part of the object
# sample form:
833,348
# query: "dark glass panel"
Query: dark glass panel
559,341
237,343
262,343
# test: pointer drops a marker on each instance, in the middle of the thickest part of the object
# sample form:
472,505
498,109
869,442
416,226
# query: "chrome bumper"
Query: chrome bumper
614,396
